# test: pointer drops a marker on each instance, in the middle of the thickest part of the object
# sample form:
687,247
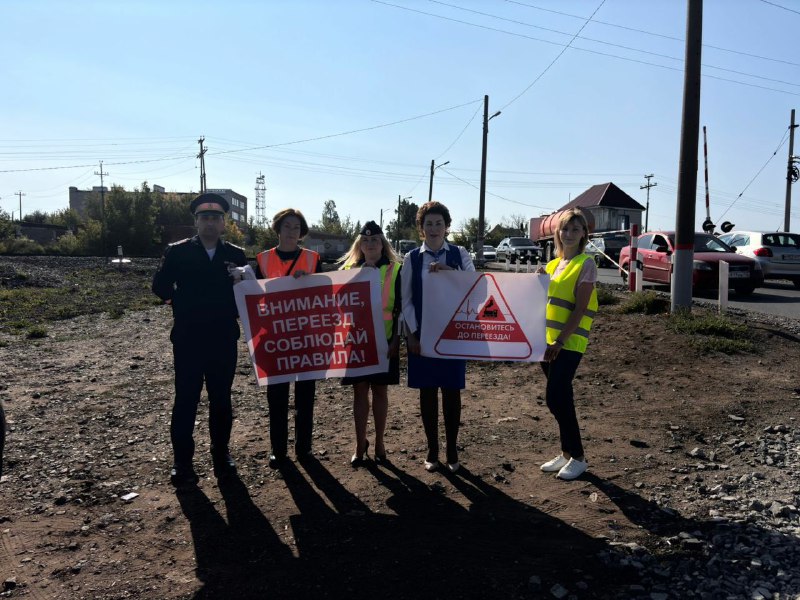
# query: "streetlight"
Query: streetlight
430,187
482,206
397,223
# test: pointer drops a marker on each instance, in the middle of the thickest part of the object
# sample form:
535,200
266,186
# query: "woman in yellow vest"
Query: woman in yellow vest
371,249
571,307
288,258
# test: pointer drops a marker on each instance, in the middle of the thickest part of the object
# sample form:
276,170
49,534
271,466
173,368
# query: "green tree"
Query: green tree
90,238
232,233
7,230
37,217
408,223
66,217
144,227
330,222
119,219
468,234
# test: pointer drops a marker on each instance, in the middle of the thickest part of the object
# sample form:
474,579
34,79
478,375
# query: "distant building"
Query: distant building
331,246
238,205
41,233
612,208
78,200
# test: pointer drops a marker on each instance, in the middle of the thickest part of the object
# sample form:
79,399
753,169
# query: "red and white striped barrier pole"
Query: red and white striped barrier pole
632,266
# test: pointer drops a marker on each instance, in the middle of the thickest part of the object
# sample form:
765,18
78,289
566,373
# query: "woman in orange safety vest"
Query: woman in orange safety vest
288,258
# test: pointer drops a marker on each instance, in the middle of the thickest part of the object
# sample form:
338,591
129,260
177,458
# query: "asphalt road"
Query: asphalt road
779,298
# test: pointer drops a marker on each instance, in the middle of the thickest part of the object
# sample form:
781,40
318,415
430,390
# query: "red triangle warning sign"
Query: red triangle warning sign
483,326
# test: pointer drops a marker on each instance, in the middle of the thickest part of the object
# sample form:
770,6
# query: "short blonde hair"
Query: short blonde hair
572,214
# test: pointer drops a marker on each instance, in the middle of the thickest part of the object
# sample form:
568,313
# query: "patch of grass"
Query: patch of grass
648,303
713,333
605,297
36,332
89,291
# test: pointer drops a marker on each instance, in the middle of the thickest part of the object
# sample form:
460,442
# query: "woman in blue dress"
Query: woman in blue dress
427,374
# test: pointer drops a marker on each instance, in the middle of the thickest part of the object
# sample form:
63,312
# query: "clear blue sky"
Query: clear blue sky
142,80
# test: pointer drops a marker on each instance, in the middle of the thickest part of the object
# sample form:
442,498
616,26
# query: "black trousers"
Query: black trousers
203,355
561,400
278,400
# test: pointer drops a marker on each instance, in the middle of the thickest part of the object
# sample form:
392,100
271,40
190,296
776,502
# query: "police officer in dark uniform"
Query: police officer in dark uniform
196,277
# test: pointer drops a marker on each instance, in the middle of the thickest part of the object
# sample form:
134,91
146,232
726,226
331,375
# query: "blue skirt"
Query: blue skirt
424,371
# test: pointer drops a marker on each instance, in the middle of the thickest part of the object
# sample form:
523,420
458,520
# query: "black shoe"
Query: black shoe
276,461
358,458
303,453
223,465
183,476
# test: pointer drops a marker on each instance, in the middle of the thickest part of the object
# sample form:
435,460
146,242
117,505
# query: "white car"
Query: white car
778,252
489,253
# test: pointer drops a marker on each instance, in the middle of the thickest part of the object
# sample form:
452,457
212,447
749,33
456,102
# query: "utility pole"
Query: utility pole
102,207
682,259
482,201
20,194
430,186
202,158
791,176
397,223
647,206
261,205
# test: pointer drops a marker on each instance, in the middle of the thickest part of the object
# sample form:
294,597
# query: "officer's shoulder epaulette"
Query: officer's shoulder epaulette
234,246
180,242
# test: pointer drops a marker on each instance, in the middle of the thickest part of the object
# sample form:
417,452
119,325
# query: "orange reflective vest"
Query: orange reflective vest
271,265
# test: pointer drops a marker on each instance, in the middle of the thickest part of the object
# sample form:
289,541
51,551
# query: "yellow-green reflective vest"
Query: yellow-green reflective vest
561,303
387,294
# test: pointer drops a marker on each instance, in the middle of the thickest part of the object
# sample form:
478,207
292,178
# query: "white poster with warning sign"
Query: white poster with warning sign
484,316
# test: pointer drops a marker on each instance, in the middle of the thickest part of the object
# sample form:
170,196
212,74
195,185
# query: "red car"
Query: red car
655,252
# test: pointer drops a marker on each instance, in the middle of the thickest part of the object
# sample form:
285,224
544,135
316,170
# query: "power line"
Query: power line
779,6
496,195
352,131
597,52
660,35
612,44
547,68
783,141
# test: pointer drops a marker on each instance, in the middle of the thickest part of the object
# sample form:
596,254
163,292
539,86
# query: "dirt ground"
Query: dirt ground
89,410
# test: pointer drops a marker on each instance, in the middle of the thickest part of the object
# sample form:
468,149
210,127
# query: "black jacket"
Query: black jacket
200,289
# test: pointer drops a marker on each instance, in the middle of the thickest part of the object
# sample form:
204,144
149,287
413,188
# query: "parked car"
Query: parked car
489,253
605,247
778,253
522,249
655,250
406,246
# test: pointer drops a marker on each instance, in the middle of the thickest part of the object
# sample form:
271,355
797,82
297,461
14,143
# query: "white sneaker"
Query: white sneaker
431,465
551,466
453,467
573,469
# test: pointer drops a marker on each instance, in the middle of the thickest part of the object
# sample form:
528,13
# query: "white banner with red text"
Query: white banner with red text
484,316
314,327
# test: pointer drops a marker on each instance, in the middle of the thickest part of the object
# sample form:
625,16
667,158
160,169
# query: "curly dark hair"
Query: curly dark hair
277,220
435,208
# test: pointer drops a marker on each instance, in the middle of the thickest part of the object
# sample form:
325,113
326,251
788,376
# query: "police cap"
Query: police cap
209,203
